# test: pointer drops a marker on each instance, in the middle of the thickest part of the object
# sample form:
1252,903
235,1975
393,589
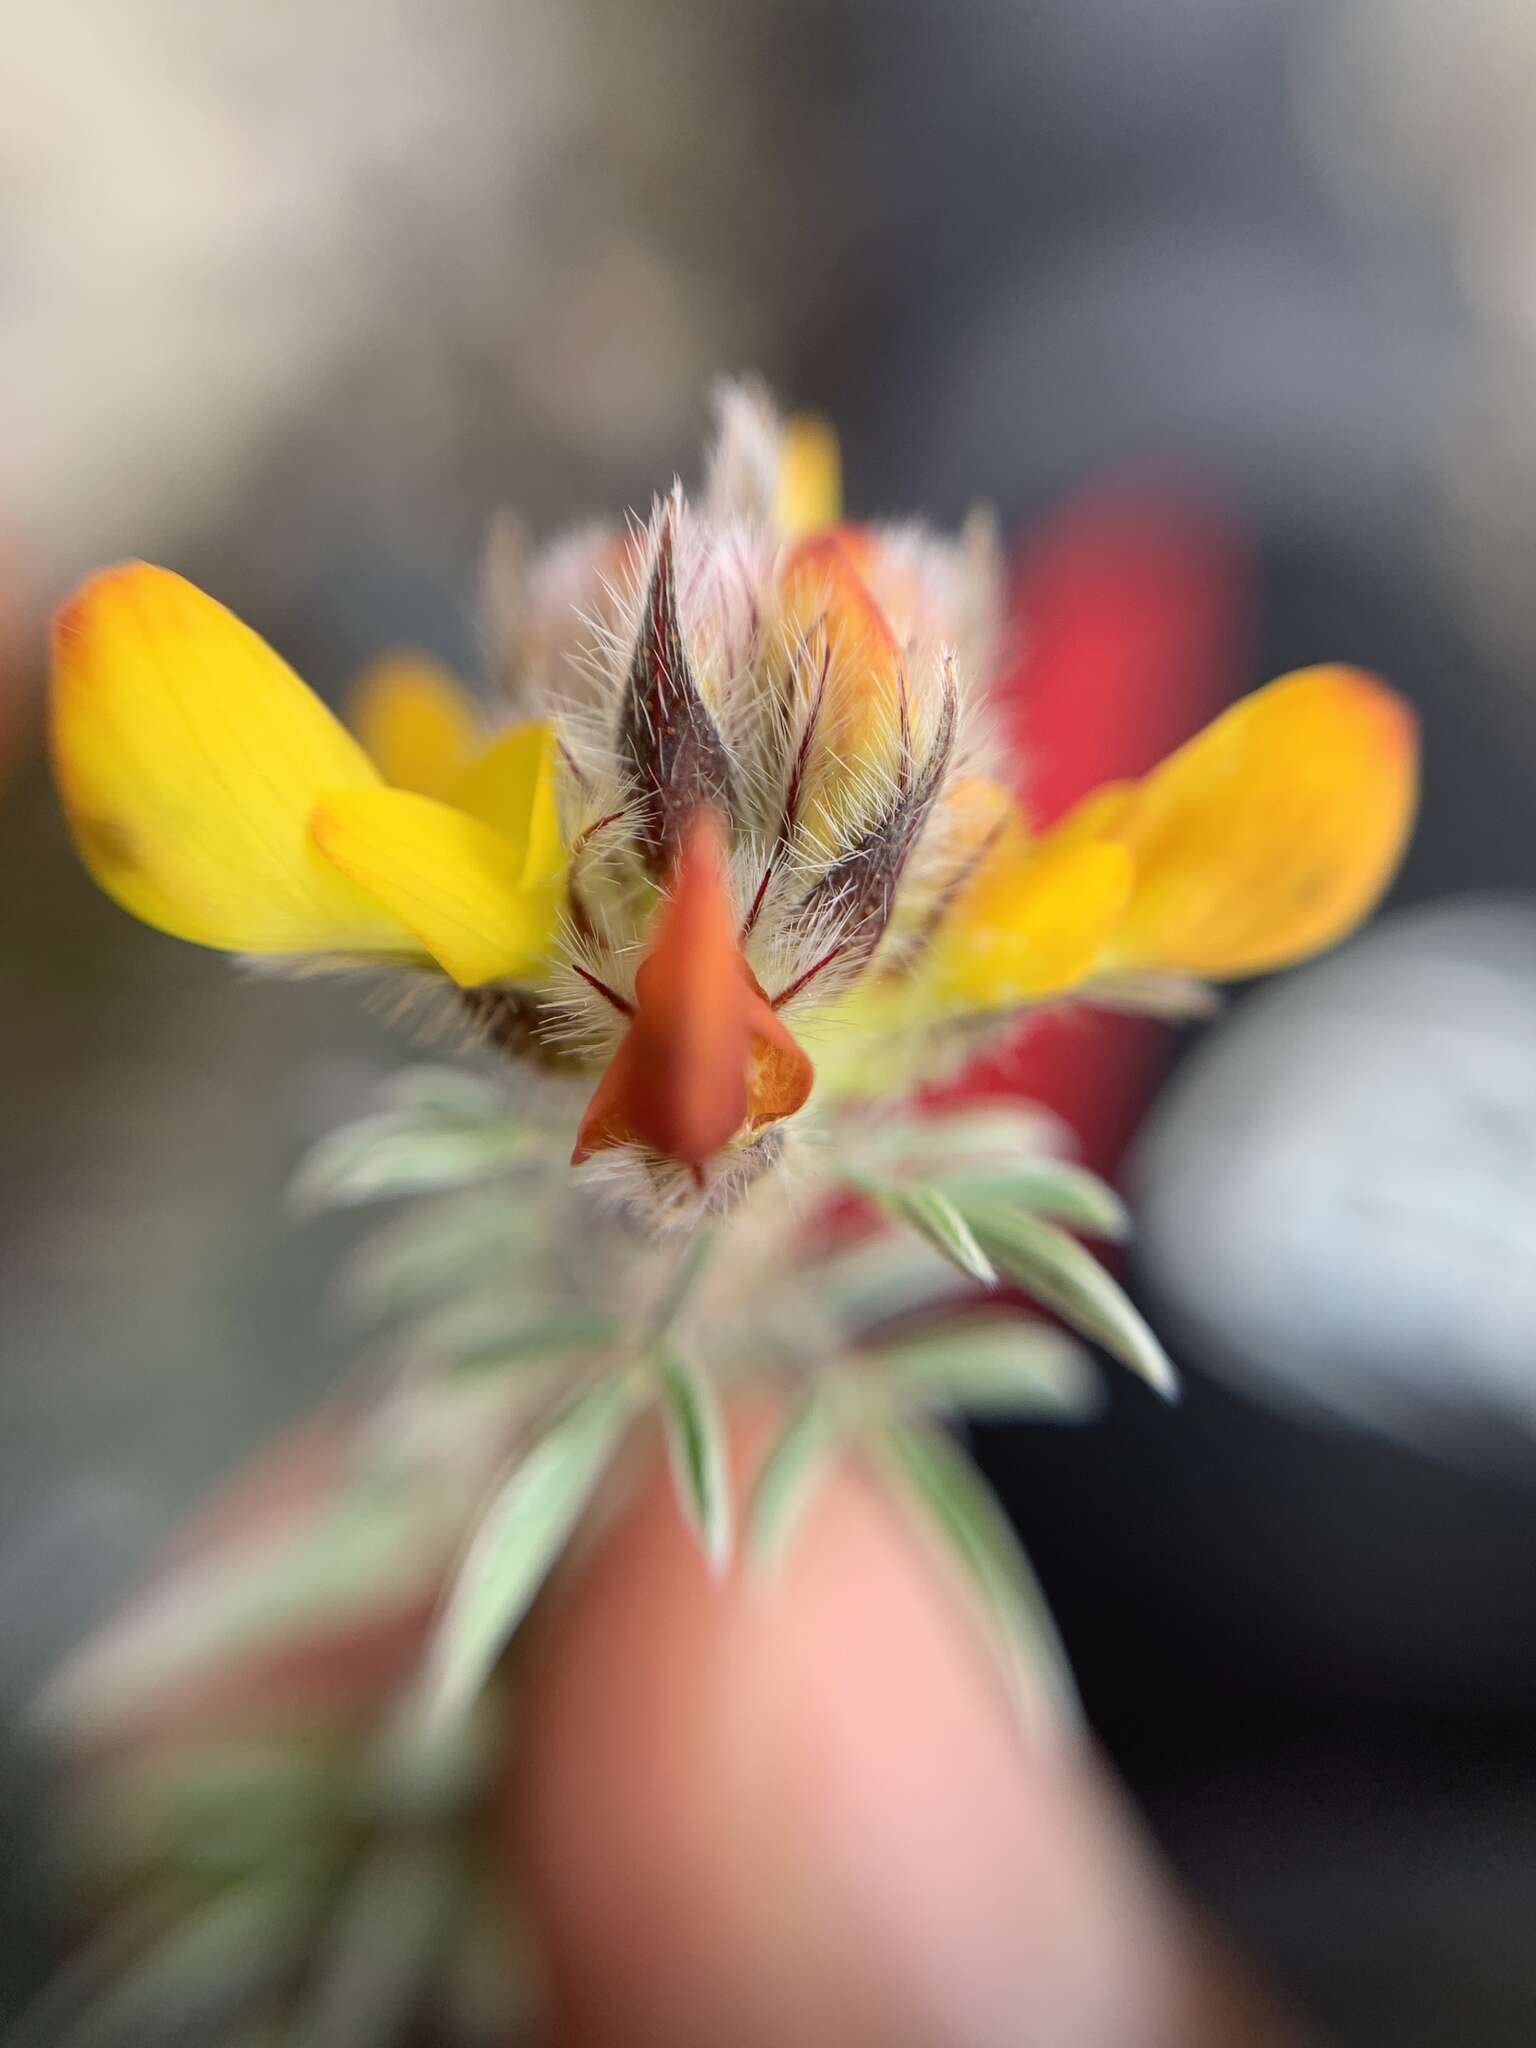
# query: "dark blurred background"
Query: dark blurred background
294,298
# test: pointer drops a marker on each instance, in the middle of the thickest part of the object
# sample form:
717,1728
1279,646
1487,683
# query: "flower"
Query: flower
748,798
1136,603
210,793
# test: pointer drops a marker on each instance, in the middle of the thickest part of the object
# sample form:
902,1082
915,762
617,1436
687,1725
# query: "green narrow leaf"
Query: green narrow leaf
1056,1270
537,1338
936,1219
188,1982
229,1808
502,1323
964,1513
696,1450
1000,1130
787,1478
453,1093
383,1944
882,1276
518,1541
367,1550
996,1365
442,1246
390,1155
1047,1187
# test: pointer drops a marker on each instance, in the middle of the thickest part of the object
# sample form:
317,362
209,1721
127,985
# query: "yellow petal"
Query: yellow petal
511,787
416,721
971,813
809,493
449,878
1032,922
189,757
847,669
1273,832
1095,816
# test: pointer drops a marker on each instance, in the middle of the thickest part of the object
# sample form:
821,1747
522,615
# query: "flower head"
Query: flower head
705,1056
748,799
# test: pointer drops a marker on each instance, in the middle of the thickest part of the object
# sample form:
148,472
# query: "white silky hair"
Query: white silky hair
566,628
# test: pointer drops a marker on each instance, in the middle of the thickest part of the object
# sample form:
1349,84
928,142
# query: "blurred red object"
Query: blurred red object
1131,612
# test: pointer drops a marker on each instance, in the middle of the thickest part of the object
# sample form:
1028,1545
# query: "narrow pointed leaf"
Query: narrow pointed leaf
380,1950
189,1982
518,1542
537,1339
227,1808
935,1218
393,1154
883,1276
1057,1271
504,1325
1048,1187
963,1513
997,1365
452,1093
992,1130
369,1551
695,1432
788,1477
446,1247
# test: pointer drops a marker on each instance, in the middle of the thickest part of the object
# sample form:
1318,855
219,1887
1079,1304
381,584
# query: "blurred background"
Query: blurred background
1229,307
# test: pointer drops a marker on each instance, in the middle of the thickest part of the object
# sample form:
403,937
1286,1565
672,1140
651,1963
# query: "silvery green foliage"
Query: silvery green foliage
523,1327
962,1513
698,1456
538,1286
551,1288
517,1540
